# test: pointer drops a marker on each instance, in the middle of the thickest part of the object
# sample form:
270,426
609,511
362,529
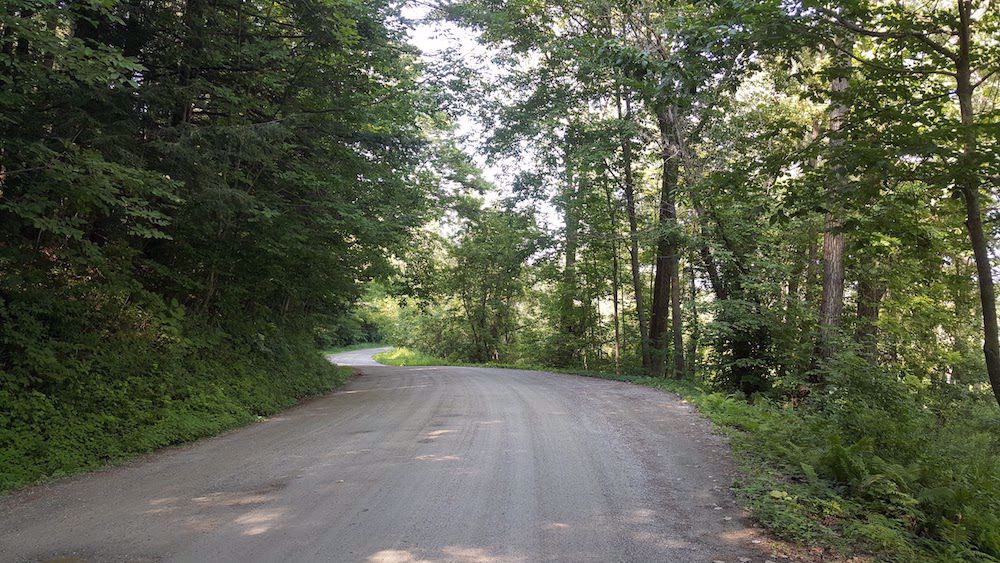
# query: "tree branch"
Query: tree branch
862,30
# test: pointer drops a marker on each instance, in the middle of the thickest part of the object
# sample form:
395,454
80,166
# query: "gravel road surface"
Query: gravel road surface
413,464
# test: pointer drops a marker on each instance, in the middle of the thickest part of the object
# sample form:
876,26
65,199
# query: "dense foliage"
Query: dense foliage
792,204
190,195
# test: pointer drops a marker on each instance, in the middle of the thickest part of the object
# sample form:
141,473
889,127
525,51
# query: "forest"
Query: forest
785,211
191,197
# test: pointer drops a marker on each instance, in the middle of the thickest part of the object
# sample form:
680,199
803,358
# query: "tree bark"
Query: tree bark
633,235
613,218
968,182
568,318
676,315
870,294
832,301
665,291
693,337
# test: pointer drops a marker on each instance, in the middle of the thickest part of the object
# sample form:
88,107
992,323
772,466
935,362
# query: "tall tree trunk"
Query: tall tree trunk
666,250
968,182
692,348
870,294
707,259
569,323
832,303
613,217
676,316
194,20
660,311
633,235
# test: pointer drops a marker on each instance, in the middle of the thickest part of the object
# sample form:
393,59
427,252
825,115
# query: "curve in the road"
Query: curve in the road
357,358
414,464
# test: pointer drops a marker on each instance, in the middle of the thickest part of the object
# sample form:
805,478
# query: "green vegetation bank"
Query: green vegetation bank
191,194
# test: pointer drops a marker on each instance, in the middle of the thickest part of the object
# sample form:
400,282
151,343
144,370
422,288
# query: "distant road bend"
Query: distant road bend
415,464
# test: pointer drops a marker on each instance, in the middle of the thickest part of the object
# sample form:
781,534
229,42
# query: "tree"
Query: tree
946,41
487,277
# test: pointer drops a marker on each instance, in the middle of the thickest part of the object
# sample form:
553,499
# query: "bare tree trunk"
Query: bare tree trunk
692,349
707,259
666,250
194,16
870,294
568,315
832,303
676,316
968,182
660,311
612,216
633,232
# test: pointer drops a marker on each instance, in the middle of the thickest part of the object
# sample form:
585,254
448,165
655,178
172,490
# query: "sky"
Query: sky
432,38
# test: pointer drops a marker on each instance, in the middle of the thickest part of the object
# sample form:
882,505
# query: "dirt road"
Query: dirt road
413,464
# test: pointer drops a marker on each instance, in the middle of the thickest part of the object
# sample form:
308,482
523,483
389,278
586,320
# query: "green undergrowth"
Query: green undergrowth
915,492
352,347
873,475
108,398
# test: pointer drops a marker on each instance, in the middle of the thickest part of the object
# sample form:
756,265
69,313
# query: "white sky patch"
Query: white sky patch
433,38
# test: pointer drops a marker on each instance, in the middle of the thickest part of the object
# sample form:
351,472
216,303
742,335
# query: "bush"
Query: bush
84,399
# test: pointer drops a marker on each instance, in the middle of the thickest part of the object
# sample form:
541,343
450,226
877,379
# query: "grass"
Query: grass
408,357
